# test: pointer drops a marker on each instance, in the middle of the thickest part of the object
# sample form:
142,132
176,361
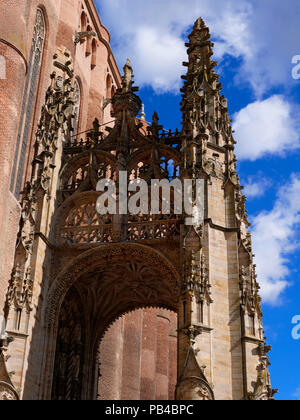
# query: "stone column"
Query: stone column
148,367
132,356
162,363
111,358
172,356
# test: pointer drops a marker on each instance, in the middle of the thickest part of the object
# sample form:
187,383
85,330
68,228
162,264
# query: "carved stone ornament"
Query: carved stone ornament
262,389
7,390
196,278
194,389
56,118
249,292
7,393
193,384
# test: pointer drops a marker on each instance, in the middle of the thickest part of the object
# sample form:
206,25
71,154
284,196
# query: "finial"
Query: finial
128,75
155,125
143,115
200,33
128,63
199,24
155,118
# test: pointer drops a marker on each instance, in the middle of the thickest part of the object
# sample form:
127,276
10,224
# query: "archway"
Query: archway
108,281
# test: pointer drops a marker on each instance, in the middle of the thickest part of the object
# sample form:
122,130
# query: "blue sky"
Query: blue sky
255,42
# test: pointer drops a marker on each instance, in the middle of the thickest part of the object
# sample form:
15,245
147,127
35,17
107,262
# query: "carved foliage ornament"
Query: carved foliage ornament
7,393
20,289
193,384
262,387
192,389
249,292
196,278
39,31
56,118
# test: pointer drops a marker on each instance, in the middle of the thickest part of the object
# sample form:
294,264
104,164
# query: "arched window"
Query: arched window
83,22
94,54
29,99
108,87
76,111
88,50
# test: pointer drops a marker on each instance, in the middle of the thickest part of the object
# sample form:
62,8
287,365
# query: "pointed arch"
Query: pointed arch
88,50
109,85
83,23
152,281
94,54
28,103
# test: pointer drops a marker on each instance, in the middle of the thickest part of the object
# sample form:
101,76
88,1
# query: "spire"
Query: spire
200,33
204,109
200,65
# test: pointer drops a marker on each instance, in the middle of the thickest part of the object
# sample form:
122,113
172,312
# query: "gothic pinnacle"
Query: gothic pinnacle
200,64
200,35
204,110
125,97
199,24
128,78
128,75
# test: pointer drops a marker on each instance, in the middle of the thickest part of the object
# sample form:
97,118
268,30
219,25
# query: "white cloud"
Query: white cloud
275,240
153,32
266,127
168,52
297,394
257,186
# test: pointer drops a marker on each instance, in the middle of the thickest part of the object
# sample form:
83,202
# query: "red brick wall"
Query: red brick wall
17,19
16,29
138,357
10,97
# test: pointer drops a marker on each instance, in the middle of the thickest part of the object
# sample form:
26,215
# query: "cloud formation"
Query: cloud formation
256,186
297,394
275,240
153,35
267,127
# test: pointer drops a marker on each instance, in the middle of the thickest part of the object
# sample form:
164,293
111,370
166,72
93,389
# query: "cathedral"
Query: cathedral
118,306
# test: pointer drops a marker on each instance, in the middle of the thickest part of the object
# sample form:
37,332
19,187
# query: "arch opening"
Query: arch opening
103,291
